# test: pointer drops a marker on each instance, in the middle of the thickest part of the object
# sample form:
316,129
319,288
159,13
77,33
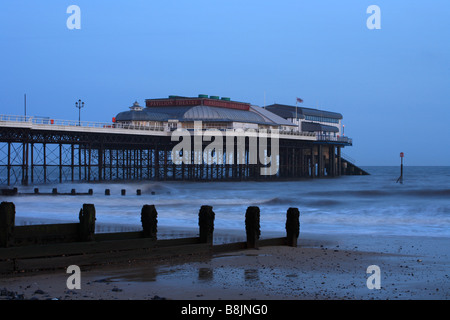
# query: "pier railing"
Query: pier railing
325,137
347,157
30,121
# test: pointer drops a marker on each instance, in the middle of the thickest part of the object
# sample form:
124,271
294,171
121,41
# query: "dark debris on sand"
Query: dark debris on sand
5,294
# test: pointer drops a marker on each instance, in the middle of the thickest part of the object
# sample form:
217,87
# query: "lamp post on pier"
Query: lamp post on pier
79,104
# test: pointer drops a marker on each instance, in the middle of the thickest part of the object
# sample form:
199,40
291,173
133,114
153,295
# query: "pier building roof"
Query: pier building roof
287,111
184,109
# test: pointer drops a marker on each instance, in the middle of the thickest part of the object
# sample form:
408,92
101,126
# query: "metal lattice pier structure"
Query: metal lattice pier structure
39,150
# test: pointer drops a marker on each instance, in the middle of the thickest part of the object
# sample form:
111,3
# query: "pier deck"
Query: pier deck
43,150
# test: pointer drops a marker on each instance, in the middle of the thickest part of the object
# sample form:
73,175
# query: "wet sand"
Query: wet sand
322,267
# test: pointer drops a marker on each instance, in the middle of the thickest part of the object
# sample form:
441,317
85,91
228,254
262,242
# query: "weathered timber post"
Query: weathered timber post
292,226
107,192
149,221
206,224
400,179
123,192
252,227
86,229
7,221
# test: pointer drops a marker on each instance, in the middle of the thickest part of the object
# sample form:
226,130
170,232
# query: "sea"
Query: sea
374,204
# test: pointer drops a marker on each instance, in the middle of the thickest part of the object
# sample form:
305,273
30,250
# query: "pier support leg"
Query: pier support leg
157,177
7,221
60,167
333,161
89,163
100,163
44,161
339,162
320,161
312,163
72,163
9,164
303,163
252,227
292,226
206,224
79,162
25,164
87,222
32,162
149,221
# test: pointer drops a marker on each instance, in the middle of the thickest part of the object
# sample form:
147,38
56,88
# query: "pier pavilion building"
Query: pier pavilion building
324,123
214,112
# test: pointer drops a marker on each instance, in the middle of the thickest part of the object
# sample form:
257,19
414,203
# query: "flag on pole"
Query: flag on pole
299,100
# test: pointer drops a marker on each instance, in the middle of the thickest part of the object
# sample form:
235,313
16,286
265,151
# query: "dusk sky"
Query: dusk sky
390,84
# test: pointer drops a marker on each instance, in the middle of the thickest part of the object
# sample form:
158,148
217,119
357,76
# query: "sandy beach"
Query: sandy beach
322,267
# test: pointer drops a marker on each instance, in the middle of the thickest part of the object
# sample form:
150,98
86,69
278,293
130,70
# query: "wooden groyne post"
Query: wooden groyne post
7,221
206,224
149,221
9,192
292,226
252,226
87,223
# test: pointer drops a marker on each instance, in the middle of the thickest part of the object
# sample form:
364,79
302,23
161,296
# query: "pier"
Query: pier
37,150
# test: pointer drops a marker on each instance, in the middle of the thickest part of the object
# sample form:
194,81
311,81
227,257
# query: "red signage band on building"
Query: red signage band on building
226,104
196,102
172,102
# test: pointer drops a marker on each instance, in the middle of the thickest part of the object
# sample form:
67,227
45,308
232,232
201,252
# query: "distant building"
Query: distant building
321,122
214,112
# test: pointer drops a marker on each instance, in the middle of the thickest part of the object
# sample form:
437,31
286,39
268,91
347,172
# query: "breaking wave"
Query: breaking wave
357,204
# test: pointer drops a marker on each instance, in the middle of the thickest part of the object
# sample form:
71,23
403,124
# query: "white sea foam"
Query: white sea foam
354,204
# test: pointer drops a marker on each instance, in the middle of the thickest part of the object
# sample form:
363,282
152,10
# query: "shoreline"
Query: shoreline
322,267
